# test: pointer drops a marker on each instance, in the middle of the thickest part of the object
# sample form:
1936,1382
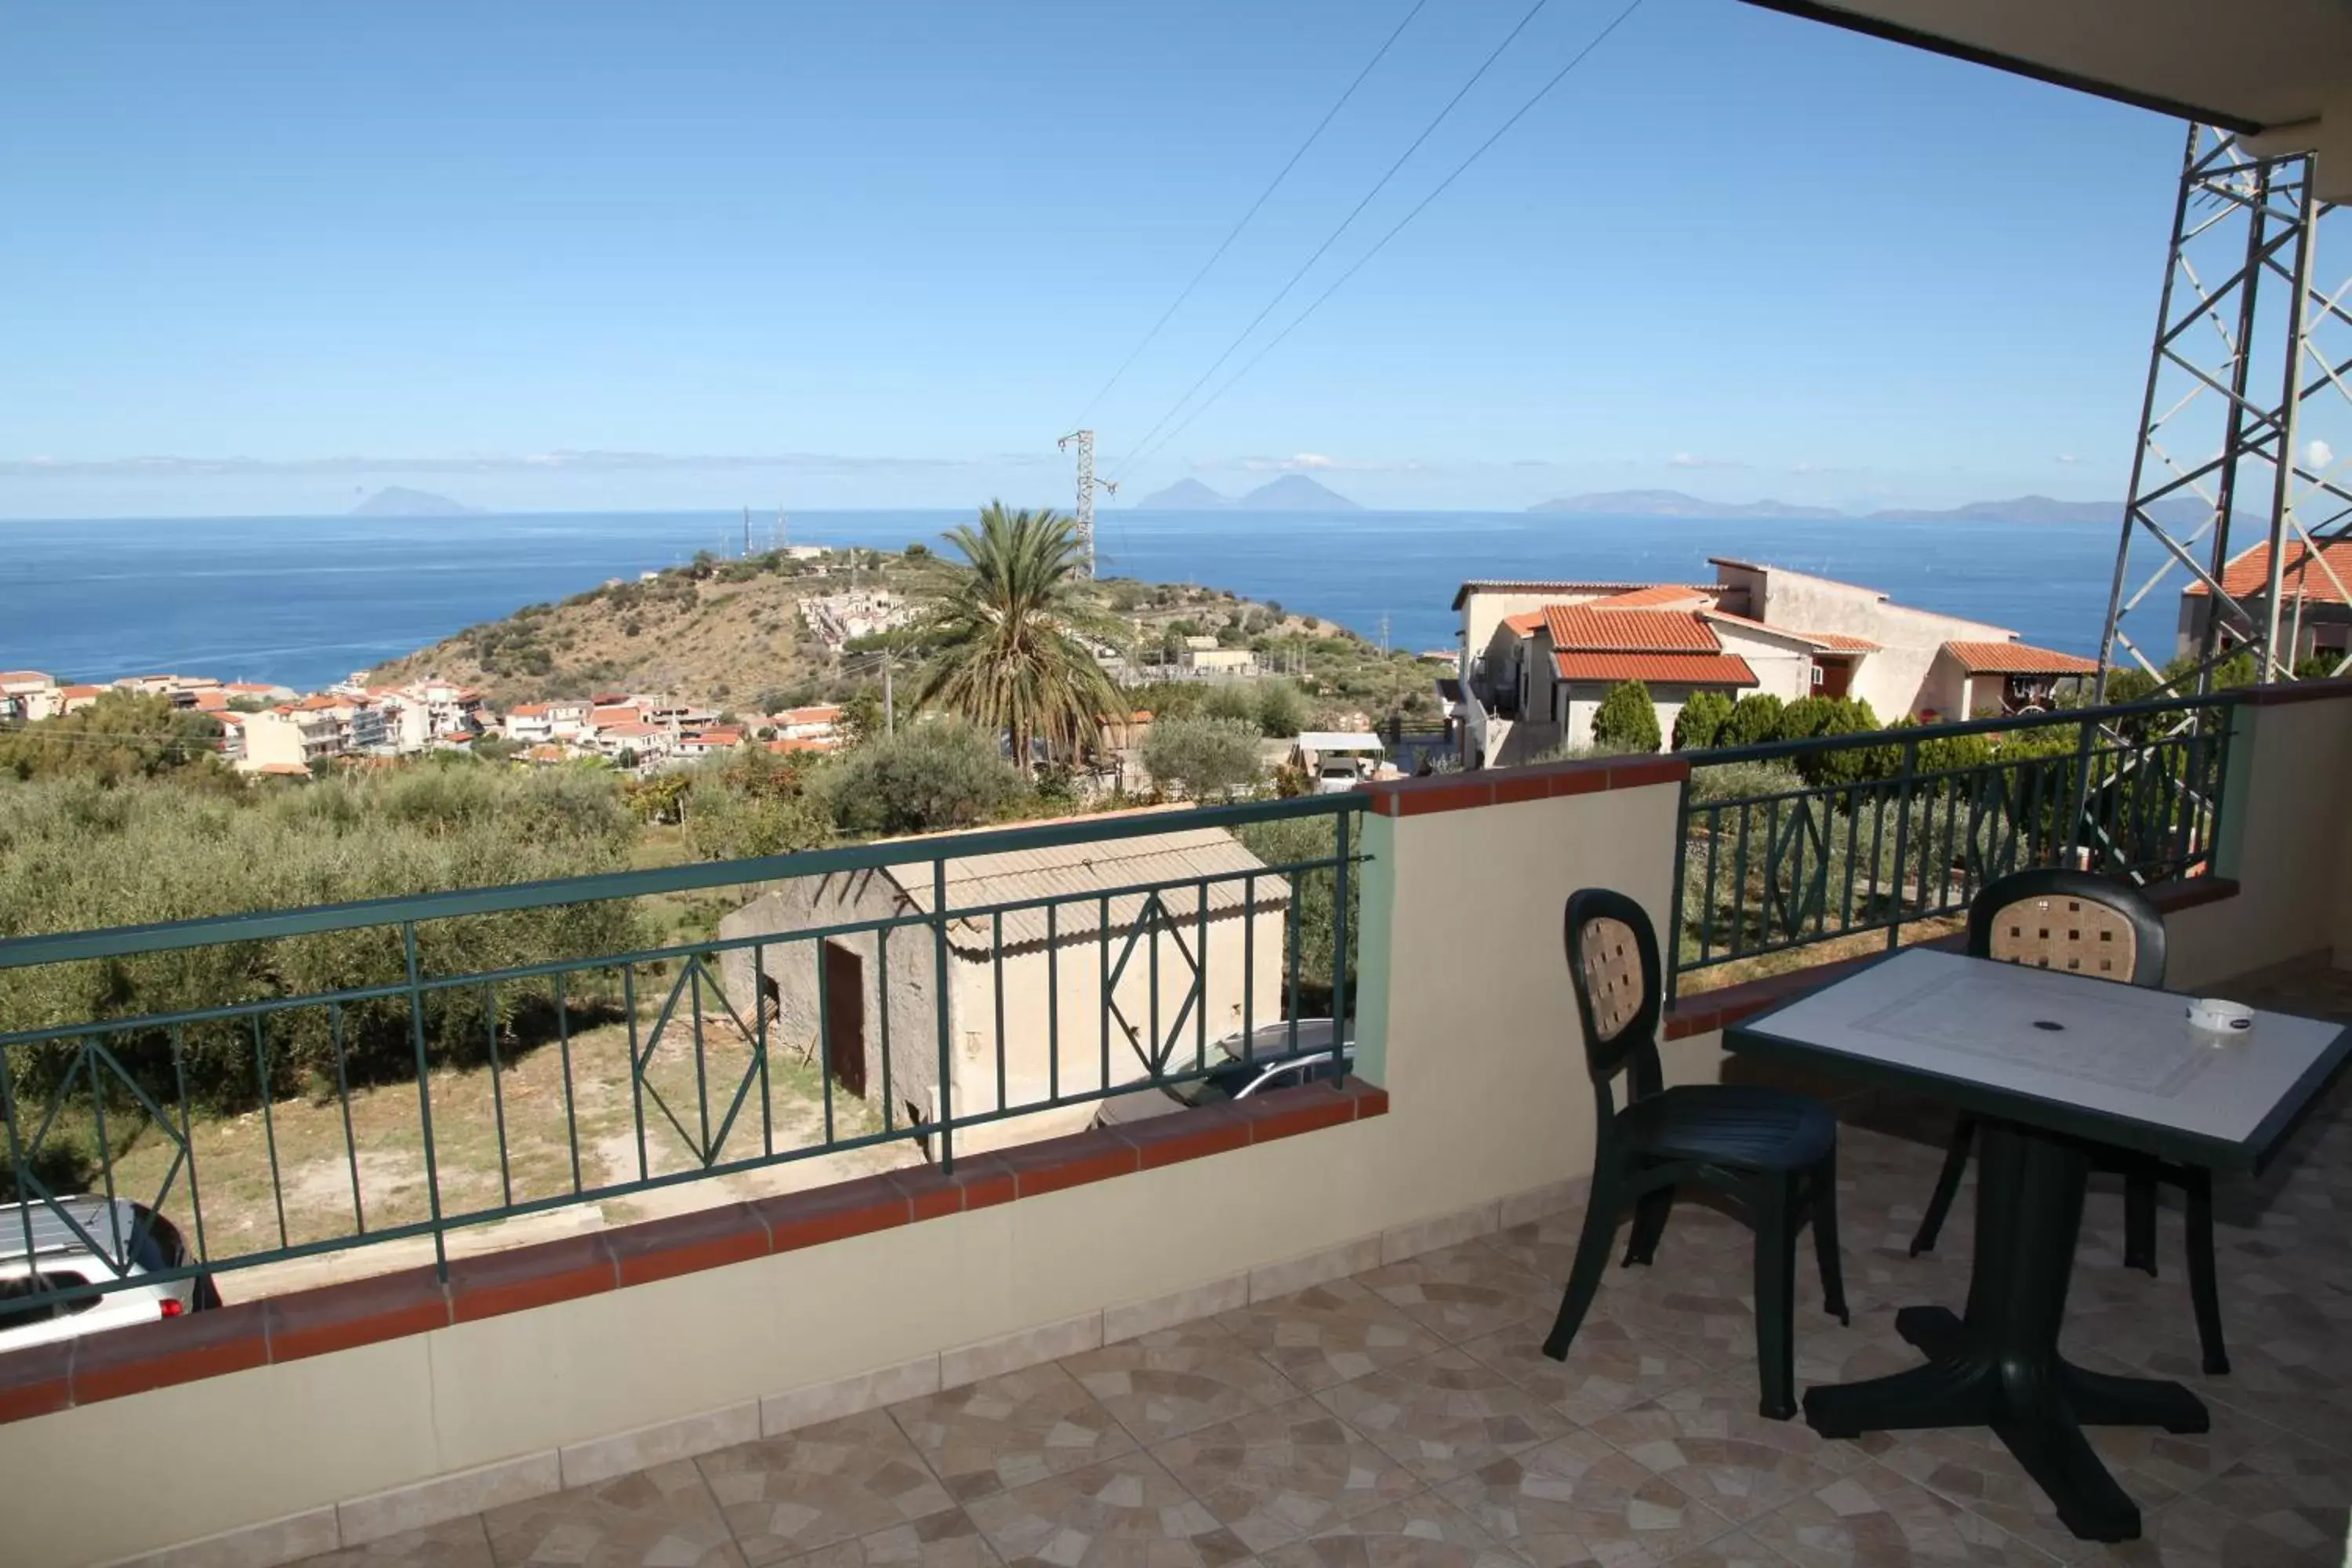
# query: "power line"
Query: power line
1438,190
1234,233
1333,237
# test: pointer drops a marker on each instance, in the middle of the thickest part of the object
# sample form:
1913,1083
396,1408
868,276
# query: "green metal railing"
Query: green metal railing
462,1096
1797,843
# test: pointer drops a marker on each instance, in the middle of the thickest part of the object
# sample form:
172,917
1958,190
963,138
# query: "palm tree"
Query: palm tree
1011,624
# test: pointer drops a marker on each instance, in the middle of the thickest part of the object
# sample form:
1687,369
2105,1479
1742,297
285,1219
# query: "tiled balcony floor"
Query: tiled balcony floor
1404,1416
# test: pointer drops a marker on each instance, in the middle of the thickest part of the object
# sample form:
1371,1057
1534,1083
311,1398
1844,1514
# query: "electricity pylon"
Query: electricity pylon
1086,483
2245,425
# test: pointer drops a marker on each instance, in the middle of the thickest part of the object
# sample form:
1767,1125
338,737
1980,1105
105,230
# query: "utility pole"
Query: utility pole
747,533
1384,634
1086,483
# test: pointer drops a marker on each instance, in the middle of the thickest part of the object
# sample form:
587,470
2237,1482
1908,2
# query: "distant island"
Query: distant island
1673,503
394,501
1292,492
2019,509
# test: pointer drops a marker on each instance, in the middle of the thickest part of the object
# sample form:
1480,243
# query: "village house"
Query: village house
1017,984
21,691
1539,658
2314,601
71,699
710,742
816,723
289,737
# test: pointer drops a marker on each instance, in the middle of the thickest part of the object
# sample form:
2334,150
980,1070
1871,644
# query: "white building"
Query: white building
23,691
288,739
1539,658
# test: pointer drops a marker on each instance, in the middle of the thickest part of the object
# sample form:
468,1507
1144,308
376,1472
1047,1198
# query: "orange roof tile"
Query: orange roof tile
2016,658
1527,626
799,743
1582,627
1656,668
2249,573
14,677
1657,596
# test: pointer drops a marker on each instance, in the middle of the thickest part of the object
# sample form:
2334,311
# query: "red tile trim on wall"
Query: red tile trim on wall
1705,1011
43,1378
1508,787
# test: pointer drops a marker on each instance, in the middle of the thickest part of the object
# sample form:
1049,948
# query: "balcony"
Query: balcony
1299,1327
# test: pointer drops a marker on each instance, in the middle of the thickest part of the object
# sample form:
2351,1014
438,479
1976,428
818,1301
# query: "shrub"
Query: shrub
1627,719
1205,758
750,803
123,735
1754,720
1295,841
938,774
1846,765
1277,708
1804,717
1701,719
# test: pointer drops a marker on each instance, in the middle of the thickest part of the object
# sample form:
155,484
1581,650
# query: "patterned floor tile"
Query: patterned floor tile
1180,1379
1700,1306
1008,1431
1738,1550
1609,1366
1708,1440
1444,1414
1873,1518
1577,1499
1462,1293
821,1484
946,1539
1127,1510
1329,1333
661,1518
1277,1475
459,1543
1424,1532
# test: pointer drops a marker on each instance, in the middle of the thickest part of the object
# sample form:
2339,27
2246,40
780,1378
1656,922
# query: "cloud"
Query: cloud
560,461
2068,459
1687,460
2318,455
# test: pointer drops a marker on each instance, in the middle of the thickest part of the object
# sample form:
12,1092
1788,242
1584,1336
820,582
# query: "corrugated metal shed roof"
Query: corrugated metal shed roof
1075,876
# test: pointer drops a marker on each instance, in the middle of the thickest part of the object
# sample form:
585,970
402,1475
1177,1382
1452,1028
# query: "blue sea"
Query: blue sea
306,601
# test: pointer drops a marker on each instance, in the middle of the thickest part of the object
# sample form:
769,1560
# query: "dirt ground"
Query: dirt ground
565,1132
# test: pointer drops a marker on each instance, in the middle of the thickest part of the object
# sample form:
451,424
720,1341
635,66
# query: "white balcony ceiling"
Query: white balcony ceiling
2244,65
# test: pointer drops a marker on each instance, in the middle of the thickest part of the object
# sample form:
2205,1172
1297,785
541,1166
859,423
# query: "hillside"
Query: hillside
732,634
1292,492
1184,495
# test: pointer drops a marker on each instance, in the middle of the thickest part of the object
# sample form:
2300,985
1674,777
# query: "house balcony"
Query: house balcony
551,1315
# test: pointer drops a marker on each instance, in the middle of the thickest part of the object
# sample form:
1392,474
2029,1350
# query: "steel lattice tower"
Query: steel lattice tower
1086,483
2246,424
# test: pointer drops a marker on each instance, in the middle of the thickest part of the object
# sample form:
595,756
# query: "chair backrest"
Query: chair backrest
2054,918
1612,961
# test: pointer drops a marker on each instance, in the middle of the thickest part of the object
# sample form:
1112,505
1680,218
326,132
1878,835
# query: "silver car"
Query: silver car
43,1256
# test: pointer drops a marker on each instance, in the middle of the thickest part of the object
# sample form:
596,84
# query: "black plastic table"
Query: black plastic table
2050,1064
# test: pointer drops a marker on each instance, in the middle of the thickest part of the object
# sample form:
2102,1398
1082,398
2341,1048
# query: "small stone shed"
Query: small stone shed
1028,985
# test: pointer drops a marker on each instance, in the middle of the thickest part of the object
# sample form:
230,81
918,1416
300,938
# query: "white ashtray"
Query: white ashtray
2217,1016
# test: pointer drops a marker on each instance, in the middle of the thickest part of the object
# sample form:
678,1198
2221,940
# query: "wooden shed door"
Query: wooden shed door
845,1017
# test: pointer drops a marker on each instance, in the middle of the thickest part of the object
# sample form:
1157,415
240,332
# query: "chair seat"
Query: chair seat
1737,1125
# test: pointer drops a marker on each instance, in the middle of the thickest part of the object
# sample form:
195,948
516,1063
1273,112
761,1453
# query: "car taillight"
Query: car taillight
172,1307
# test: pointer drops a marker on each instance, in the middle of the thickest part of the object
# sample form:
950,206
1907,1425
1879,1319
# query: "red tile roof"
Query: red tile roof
1527,626
1839,642
1656,668
605,717
2016,658
1581,627
2249,573
13,676
1657,596
532,709
799,743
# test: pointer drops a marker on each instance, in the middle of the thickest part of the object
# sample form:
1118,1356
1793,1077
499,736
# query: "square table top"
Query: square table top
2119,1064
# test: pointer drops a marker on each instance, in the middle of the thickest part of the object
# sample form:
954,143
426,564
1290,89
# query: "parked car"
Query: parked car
1247,1069
124,1240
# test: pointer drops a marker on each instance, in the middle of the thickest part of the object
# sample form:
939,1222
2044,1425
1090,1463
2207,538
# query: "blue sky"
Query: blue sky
882,254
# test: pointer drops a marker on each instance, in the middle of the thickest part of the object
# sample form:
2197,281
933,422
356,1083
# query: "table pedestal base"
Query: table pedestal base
2000,1367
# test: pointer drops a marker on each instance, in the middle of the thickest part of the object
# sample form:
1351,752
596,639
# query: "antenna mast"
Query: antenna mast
1086,483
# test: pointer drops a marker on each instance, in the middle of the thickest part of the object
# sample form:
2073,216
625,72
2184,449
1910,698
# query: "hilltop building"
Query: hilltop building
1539,658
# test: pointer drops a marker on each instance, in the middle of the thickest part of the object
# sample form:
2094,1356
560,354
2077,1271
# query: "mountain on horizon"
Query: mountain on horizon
2030,509
1292,492
1184,495
1295,492
396,500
